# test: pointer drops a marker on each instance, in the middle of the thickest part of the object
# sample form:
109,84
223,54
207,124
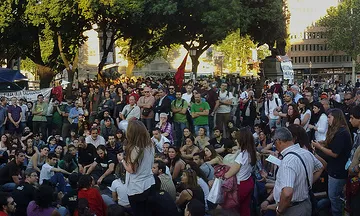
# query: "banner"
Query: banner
288,72
27,94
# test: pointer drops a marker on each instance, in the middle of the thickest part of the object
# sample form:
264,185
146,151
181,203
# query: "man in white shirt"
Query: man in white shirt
271,104
223,108
188,95
54,175
296,90
130,111
291,179
95,138
159,139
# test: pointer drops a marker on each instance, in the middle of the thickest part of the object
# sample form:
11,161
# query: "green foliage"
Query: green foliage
342,27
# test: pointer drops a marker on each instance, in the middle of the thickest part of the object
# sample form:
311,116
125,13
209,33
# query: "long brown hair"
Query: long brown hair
246,143
295,114
192,179
138,138
338,122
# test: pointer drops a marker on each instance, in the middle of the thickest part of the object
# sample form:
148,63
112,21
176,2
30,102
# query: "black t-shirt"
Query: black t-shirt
162,204
340,145
228,144
23,195
70,201
104,163
7,172
4,157
86,156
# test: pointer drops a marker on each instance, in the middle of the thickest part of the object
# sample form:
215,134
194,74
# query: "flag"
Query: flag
180,73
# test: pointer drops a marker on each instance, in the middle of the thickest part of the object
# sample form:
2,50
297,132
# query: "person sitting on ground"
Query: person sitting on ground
9,175
69,200
159,140
211,156
43,204
24,193
7,204
208,170
53,175
167,184
102,169
189,149
92,195
119,188
195,208
68,164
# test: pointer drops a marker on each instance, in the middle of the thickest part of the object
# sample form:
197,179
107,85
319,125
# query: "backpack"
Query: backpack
268,106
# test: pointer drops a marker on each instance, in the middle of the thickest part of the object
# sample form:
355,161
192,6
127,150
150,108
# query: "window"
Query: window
303,59
317,47
307,59
317,58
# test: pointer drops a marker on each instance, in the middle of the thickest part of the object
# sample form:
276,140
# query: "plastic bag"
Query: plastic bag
215,194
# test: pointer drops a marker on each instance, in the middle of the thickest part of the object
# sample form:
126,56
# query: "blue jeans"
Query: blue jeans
335,189
8,187
179,128
59,180
202,126
272,123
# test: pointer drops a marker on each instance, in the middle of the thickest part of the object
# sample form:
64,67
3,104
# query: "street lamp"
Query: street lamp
310,66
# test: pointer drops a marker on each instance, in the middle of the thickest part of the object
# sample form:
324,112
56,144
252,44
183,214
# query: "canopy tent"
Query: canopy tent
12,80
8,75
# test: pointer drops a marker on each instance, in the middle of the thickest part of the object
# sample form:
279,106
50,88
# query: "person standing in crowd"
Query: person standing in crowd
74,115
146,104
64,111
326,104
212,99
172,93
130,111
337,147
305,112
272,104
296,90
354,161
138,164
24,193
162,105
39,115
187,96
3,115
309,95
95,100
179,108
318,124
14,116
7,204
249,113
242,169
107,103
200,114
298,168
9,175
223,107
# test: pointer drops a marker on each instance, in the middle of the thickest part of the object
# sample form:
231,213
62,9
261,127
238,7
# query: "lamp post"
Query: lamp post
310,66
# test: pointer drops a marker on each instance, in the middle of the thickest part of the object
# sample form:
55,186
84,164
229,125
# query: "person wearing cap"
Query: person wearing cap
296,90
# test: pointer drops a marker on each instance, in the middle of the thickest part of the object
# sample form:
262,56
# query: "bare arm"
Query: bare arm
285,199
235,167
184,196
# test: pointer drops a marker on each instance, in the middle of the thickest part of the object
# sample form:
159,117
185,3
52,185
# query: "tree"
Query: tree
49,32
202,23
342,29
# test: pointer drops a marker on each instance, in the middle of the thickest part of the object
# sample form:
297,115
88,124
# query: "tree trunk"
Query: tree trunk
71,80
195,64
130,67
46,75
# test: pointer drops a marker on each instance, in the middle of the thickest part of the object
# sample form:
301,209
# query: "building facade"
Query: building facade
310,55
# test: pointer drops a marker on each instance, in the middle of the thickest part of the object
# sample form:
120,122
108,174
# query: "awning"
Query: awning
8,75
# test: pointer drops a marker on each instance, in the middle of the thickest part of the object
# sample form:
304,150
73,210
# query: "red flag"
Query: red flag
180,73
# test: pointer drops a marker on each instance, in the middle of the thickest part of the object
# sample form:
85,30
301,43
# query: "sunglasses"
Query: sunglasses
346,99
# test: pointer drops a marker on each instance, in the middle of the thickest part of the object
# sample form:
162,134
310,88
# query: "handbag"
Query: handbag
215,195
146,111
311,193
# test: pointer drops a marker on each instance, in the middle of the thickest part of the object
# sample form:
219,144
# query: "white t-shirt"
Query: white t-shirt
24,109
99,140
223,96
46,173
159,144
302,118
120,188
205,187
187,97
245,170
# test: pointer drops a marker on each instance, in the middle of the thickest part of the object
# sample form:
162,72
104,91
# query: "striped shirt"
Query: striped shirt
292,174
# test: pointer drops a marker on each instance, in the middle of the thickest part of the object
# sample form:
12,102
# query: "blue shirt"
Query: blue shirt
74,114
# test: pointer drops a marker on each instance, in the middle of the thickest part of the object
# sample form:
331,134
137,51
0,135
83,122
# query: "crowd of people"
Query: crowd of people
149,147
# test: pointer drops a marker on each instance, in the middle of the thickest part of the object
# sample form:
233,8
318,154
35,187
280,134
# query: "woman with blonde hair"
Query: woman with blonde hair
336,147
138,164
